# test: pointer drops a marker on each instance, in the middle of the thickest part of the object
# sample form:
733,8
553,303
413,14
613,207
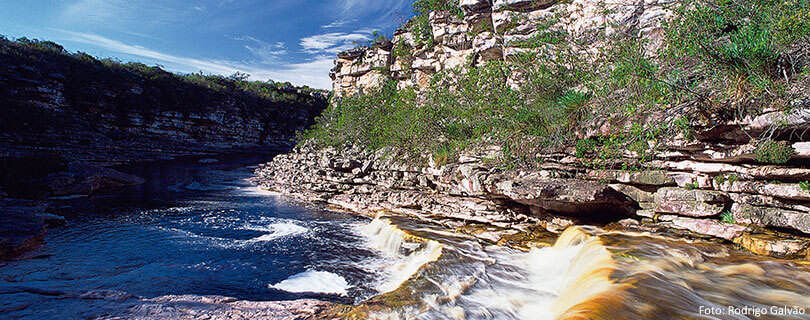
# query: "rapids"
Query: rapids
200,229
592,274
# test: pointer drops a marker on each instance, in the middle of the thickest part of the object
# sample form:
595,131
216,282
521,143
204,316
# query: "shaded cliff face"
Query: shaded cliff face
107,112
486,30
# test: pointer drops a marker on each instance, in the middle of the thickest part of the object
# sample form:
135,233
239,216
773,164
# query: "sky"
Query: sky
280,40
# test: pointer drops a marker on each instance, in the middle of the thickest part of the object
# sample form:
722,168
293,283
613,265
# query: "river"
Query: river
198,227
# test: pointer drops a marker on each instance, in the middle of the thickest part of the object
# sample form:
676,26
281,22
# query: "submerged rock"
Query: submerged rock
21,228
219,307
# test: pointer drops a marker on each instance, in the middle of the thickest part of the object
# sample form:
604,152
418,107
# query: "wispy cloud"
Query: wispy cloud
333,42
267,52
337,24
120,11
313,72
387,11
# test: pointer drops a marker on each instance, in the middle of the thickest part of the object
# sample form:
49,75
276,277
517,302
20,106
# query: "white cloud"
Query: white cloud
385,10
268,53
333,42
314,73
120,11
337,24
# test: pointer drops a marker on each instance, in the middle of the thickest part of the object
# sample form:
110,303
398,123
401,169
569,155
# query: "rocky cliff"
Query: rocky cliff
107,112
488,30
65,116
718,179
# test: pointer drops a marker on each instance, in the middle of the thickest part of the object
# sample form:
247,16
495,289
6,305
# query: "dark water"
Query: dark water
193,228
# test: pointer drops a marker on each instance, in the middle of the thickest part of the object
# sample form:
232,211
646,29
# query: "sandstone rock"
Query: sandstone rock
694,203
110,295
20,227
771,217
217,307
645,199
710,227
651,178
777,190
567,196
775,246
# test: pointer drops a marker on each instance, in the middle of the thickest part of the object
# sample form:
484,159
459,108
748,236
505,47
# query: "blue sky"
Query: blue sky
282,40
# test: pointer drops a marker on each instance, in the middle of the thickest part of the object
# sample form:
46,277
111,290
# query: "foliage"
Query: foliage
727,217
775,152
691,186
420,23
746,49
722,59
723,178
805,186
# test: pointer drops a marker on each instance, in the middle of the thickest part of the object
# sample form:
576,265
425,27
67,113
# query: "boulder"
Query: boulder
771,217
85,178
693,203
714,228
21,229
775,246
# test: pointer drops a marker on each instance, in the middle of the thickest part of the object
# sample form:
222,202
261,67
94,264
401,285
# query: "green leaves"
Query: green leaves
775,152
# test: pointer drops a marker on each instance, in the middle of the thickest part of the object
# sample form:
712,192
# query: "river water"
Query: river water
197,227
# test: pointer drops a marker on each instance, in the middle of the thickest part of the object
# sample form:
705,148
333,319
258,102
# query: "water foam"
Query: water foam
315,282
405,258
277,230
500,283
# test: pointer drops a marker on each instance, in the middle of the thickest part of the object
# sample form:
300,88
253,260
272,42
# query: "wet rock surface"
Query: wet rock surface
217,307
21,227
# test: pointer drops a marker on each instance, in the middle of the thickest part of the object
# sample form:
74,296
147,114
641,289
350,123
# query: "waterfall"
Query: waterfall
406,257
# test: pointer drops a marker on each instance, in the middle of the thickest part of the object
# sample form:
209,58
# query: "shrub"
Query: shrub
585,146
775,152
727,217
805,186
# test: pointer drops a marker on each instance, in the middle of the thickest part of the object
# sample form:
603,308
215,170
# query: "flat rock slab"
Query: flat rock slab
21,227
693,203
217,307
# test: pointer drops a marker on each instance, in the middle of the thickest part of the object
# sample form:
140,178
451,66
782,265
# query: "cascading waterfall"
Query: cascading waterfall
586,274
406,257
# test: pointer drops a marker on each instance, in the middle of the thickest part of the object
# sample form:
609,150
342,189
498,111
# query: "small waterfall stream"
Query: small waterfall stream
587,274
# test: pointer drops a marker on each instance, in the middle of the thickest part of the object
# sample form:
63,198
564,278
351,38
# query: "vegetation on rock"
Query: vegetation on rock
721,60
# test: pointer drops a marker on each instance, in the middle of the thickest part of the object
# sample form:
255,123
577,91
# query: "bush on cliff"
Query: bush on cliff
722,59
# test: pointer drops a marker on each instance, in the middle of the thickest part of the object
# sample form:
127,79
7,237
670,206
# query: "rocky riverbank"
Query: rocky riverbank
740,178
762,208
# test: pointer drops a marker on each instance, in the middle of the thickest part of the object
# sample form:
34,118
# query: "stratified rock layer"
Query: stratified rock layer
558,194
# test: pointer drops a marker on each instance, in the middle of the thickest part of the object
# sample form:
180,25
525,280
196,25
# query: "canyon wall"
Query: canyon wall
712,184
90,110
489,30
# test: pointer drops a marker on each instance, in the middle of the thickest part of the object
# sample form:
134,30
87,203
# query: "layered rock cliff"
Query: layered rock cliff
488,30
66,116
717,180
106,112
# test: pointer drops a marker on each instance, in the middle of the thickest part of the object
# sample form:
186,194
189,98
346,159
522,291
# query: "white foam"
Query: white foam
277,230
404,258
314,281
